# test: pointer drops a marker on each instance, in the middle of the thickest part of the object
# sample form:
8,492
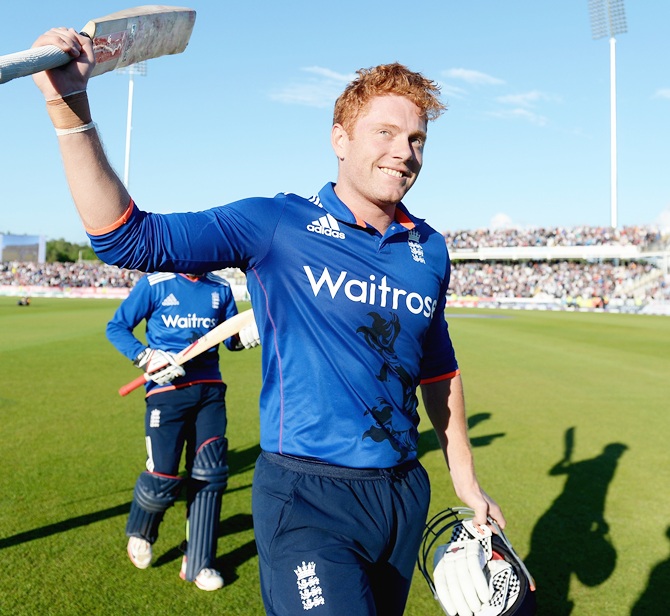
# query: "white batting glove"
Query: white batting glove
161,366
249,336
460,582
473,576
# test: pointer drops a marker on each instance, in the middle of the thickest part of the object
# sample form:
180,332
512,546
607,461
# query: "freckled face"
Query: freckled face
380,160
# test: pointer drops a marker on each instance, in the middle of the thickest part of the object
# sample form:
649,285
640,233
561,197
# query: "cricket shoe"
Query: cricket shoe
207,579
139,552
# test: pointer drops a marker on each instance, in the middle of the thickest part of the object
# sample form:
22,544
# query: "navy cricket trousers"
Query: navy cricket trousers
189,415
333,540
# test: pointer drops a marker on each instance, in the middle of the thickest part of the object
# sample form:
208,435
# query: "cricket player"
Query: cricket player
185,405
348,289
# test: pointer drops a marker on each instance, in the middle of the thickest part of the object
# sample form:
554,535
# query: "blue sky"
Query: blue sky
247,109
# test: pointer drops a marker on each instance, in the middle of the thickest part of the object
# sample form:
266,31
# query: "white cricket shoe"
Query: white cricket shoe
207,579
139,552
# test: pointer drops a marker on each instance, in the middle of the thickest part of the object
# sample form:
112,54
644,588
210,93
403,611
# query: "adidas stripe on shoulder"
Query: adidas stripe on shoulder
160,277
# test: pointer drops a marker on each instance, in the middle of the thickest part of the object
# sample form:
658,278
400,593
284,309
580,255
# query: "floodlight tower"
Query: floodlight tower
134,69
608,18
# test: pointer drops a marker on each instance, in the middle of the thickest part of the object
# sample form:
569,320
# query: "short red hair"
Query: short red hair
385,80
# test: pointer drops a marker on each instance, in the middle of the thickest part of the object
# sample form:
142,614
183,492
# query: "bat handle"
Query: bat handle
133,385
31,61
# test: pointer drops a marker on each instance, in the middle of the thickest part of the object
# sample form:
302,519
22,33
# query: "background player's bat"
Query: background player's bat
119,40
221,332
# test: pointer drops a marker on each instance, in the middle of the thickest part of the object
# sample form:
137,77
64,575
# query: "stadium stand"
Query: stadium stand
626,269
558,236
83,274
576,268
81,279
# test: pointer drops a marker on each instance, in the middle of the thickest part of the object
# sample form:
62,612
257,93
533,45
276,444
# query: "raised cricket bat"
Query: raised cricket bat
119,40
221,332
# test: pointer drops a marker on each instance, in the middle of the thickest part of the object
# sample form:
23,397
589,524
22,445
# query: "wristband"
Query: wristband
76,129
70,111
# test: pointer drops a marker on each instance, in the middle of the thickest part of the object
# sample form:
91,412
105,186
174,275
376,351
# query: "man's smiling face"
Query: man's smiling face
381,157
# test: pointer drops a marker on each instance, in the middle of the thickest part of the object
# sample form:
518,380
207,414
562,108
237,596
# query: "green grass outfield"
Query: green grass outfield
569,414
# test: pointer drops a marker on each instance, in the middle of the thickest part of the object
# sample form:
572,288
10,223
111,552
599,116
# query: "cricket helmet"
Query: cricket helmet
514,597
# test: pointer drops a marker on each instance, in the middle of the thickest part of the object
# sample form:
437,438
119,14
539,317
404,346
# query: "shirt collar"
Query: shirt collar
337,208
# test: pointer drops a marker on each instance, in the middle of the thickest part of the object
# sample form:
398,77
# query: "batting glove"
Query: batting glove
161,366
469,578
249,336
460,582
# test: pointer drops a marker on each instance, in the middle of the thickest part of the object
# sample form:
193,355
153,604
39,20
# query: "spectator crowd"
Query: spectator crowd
611,281
556,236
81,274
564,280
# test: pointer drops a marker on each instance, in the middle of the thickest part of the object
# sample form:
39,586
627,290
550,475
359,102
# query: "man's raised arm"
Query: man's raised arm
98,193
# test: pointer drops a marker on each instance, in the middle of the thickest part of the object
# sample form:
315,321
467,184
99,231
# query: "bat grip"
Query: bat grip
31,61
133,385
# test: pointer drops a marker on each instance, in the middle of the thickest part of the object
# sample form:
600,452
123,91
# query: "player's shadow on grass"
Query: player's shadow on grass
654,600
242,460
239,461
230,561
64,526
572,536
428,439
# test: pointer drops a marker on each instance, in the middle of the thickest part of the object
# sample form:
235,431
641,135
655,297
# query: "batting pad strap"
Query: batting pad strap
70,111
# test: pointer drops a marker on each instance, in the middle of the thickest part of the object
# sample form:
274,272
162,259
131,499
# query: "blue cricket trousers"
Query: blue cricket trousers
336,541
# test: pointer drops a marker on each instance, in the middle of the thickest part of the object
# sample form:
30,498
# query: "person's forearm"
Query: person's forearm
445,405
98,193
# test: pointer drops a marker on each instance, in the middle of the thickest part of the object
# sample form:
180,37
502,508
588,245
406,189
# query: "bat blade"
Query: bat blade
119,40
221,332
138,34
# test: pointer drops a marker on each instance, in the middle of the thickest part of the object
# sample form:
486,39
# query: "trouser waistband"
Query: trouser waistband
312,467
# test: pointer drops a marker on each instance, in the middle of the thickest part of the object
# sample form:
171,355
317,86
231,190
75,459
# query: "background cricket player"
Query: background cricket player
185,405
349,291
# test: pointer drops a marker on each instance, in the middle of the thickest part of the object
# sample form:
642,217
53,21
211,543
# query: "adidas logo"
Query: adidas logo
326,225
170,300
